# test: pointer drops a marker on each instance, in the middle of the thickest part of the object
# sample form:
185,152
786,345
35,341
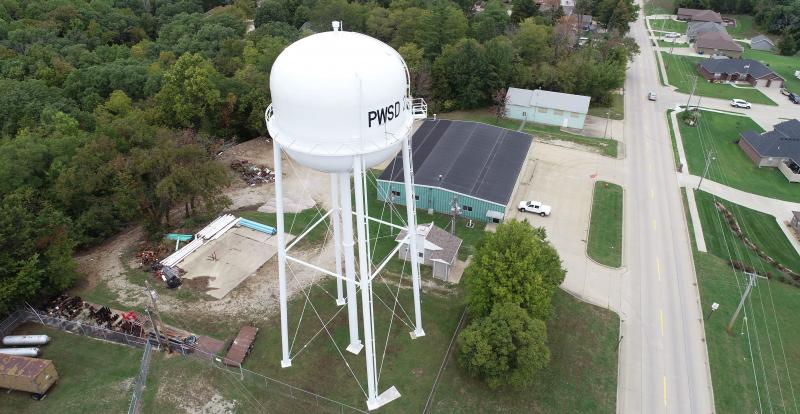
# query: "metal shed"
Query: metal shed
468,164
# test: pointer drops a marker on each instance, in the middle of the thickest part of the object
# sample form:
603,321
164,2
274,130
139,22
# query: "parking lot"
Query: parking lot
564,178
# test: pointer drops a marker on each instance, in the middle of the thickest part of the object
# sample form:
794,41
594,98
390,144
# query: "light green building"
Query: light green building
545,107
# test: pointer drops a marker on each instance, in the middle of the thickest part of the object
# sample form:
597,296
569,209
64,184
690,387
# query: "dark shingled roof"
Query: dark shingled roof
782,142
473,159
730,66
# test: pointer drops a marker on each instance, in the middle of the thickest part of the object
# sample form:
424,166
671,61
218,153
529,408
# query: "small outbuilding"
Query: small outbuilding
762,42
546,107
440,249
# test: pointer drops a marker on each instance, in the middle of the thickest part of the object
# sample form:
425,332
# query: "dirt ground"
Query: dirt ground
254,297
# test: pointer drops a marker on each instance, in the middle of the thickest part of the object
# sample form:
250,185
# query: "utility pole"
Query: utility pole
608,117
750,284
455,210
709,158
152,310
694,85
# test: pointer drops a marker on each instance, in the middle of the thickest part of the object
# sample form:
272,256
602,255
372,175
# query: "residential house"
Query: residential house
739,70
546,107
777,148
762,42
437,248
717,43
695,15
696,29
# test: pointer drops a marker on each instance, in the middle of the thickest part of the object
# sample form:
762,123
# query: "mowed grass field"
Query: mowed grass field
782,65
756,369
605,231
745,27
718,132
668,25
682,70
93,376
659,7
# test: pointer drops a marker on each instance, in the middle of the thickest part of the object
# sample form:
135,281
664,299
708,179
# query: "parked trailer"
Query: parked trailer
28,352
16,340
27,374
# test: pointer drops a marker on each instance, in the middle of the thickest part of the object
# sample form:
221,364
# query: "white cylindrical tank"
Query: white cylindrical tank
28,352
336,95
15,340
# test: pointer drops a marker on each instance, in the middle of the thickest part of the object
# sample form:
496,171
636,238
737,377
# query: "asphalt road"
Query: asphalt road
663,356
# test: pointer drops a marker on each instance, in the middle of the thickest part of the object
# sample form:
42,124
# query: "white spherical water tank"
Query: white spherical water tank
336,95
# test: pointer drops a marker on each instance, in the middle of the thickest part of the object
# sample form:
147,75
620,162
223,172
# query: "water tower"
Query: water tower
341,104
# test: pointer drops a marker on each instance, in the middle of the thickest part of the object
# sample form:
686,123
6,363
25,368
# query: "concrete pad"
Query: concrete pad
239,253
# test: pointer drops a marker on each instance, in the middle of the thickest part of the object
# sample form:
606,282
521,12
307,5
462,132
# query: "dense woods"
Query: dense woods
111,110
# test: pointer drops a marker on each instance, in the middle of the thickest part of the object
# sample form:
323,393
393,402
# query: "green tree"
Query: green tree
459,75
491,22
617,14
787,45
515,265
444,25
190,95
507,347
35,249
522,9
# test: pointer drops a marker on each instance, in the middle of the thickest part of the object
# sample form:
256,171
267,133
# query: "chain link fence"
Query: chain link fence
138,387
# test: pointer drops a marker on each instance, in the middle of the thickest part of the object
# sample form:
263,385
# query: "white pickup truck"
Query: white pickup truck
535,207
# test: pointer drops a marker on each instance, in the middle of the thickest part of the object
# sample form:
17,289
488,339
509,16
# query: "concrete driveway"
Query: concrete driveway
564,179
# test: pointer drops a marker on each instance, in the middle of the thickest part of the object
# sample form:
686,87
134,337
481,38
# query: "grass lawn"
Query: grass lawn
756,368
607,147
782,65
581,377
659,7
668,25
605,230
744,29
94,376
669,43
295,223
675,155
617,108
718,132
681,70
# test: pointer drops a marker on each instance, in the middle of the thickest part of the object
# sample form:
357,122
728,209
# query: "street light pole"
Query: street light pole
709,158
747,290
608,116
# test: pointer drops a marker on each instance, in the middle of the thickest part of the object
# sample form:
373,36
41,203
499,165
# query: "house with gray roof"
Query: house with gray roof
695,29
438,249
777,148
717,43
762,42
739,70
546,107
695,15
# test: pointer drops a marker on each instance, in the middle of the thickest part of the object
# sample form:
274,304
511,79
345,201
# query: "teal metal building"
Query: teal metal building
470,165
545,107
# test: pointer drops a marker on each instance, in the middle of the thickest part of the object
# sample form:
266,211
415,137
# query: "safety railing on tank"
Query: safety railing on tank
419,108
268,113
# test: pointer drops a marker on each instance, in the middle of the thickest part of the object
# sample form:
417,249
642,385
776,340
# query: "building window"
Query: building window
524,114
466,208
416,197
495,220
542,110
558,112
421,254
395,193
573,114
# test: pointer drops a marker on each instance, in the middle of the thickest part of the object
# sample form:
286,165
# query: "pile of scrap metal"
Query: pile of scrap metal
170,275
74,308
66,307
253,174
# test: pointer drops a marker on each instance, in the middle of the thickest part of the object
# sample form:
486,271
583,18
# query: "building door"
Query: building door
566,122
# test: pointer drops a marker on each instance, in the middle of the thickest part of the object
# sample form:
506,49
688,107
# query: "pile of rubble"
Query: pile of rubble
253,174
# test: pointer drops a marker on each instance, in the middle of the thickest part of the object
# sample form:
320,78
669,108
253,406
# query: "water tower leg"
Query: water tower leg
285,360
349,262
374,400
336,218
412,240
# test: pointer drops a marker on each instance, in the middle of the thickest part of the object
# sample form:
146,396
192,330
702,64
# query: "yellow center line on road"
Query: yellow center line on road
654,224
661,316
665,390
652,193
658,268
